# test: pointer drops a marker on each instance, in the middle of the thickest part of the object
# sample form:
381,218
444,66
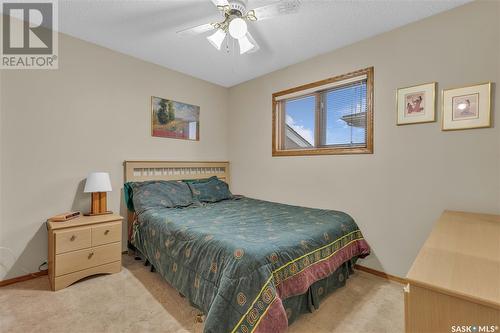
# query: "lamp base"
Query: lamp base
96,214
98,204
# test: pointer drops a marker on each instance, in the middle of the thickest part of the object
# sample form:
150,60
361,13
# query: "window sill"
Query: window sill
323,151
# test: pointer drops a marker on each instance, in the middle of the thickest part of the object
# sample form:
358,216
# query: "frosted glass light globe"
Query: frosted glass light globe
245,45
217,38
238,28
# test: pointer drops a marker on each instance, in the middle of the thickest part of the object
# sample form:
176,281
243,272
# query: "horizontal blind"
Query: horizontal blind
344,115
322,88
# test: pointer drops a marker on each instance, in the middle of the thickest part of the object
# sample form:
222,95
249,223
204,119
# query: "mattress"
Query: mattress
250,265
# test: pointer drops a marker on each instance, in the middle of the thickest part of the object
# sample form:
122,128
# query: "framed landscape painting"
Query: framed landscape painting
416,104
467,107
176,120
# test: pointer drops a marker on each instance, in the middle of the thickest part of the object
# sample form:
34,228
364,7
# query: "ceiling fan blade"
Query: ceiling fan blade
220,3
281,8
199,29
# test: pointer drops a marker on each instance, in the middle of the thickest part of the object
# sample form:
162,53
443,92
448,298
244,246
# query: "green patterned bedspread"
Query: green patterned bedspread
238,260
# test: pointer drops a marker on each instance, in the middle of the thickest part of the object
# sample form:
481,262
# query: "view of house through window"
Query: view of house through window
328,117
300,115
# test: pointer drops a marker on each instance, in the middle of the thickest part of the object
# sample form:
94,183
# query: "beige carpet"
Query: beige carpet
136,300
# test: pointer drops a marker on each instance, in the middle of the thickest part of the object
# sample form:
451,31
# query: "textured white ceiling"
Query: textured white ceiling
147,30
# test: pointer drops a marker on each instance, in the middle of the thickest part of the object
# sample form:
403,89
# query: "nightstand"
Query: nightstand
82,247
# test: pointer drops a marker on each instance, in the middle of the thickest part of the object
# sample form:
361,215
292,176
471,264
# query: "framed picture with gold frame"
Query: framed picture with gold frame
416,104
467,107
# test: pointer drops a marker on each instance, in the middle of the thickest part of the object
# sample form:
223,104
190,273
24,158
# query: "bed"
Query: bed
249,265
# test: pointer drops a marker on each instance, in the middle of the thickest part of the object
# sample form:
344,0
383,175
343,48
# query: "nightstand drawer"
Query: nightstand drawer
106,233
78,260
72,239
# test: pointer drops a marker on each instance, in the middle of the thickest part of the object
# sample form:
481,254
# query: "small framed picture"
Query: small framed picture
416,104
467,107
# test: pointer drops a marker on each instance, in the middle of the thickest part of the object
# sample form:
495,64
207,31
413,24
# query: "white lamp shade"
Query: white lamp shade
217,38
245,45
97,182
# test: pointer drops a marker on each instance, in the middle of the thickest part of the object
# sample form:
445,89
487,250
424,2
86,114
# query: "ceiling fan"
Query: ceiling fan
235,21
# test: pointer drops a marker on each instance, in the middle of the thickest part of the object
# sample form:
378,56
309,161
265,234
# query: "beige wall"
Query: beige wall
90,115
416,170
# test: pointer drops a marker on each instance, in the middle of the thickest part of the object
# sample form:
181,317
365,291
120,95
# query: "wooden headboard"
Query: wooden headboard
139,171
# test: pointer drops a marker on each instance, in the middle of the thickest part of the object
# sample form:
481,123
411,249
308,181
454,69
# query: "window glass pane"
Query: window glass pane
345,115
300,122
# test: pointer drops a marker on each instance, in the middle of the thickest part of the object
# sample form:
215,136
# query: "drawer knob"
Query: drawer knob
106,232
91,254
72,238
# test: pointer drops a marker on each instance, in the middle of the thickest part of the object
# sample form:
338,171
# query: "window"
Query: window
333,116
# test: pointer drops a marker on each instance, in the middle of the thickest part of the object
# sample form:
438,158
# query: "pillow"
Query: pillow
197,181
159,194
212,190
128,194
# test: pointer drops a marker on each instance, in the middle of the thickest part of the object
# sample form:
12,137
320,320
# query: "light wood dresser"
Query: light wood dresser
82,247
454,283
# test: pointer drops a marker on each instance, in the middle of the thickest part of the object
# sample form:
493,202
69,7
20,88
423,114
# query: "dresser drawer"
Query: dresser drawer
106,233
83,259
72,239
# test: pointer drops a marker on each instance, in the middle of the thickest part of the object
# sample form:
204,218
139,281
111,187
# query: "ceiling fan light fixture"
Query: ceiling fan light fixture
238,28
217,38
245,44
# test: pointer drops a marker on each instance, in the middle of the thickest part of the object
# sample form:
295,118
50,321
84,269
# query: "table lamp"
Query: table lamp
98,184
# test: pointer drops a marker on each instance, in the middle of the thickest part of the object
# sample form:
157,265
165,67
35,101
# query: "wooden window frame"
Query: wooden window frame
278,119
